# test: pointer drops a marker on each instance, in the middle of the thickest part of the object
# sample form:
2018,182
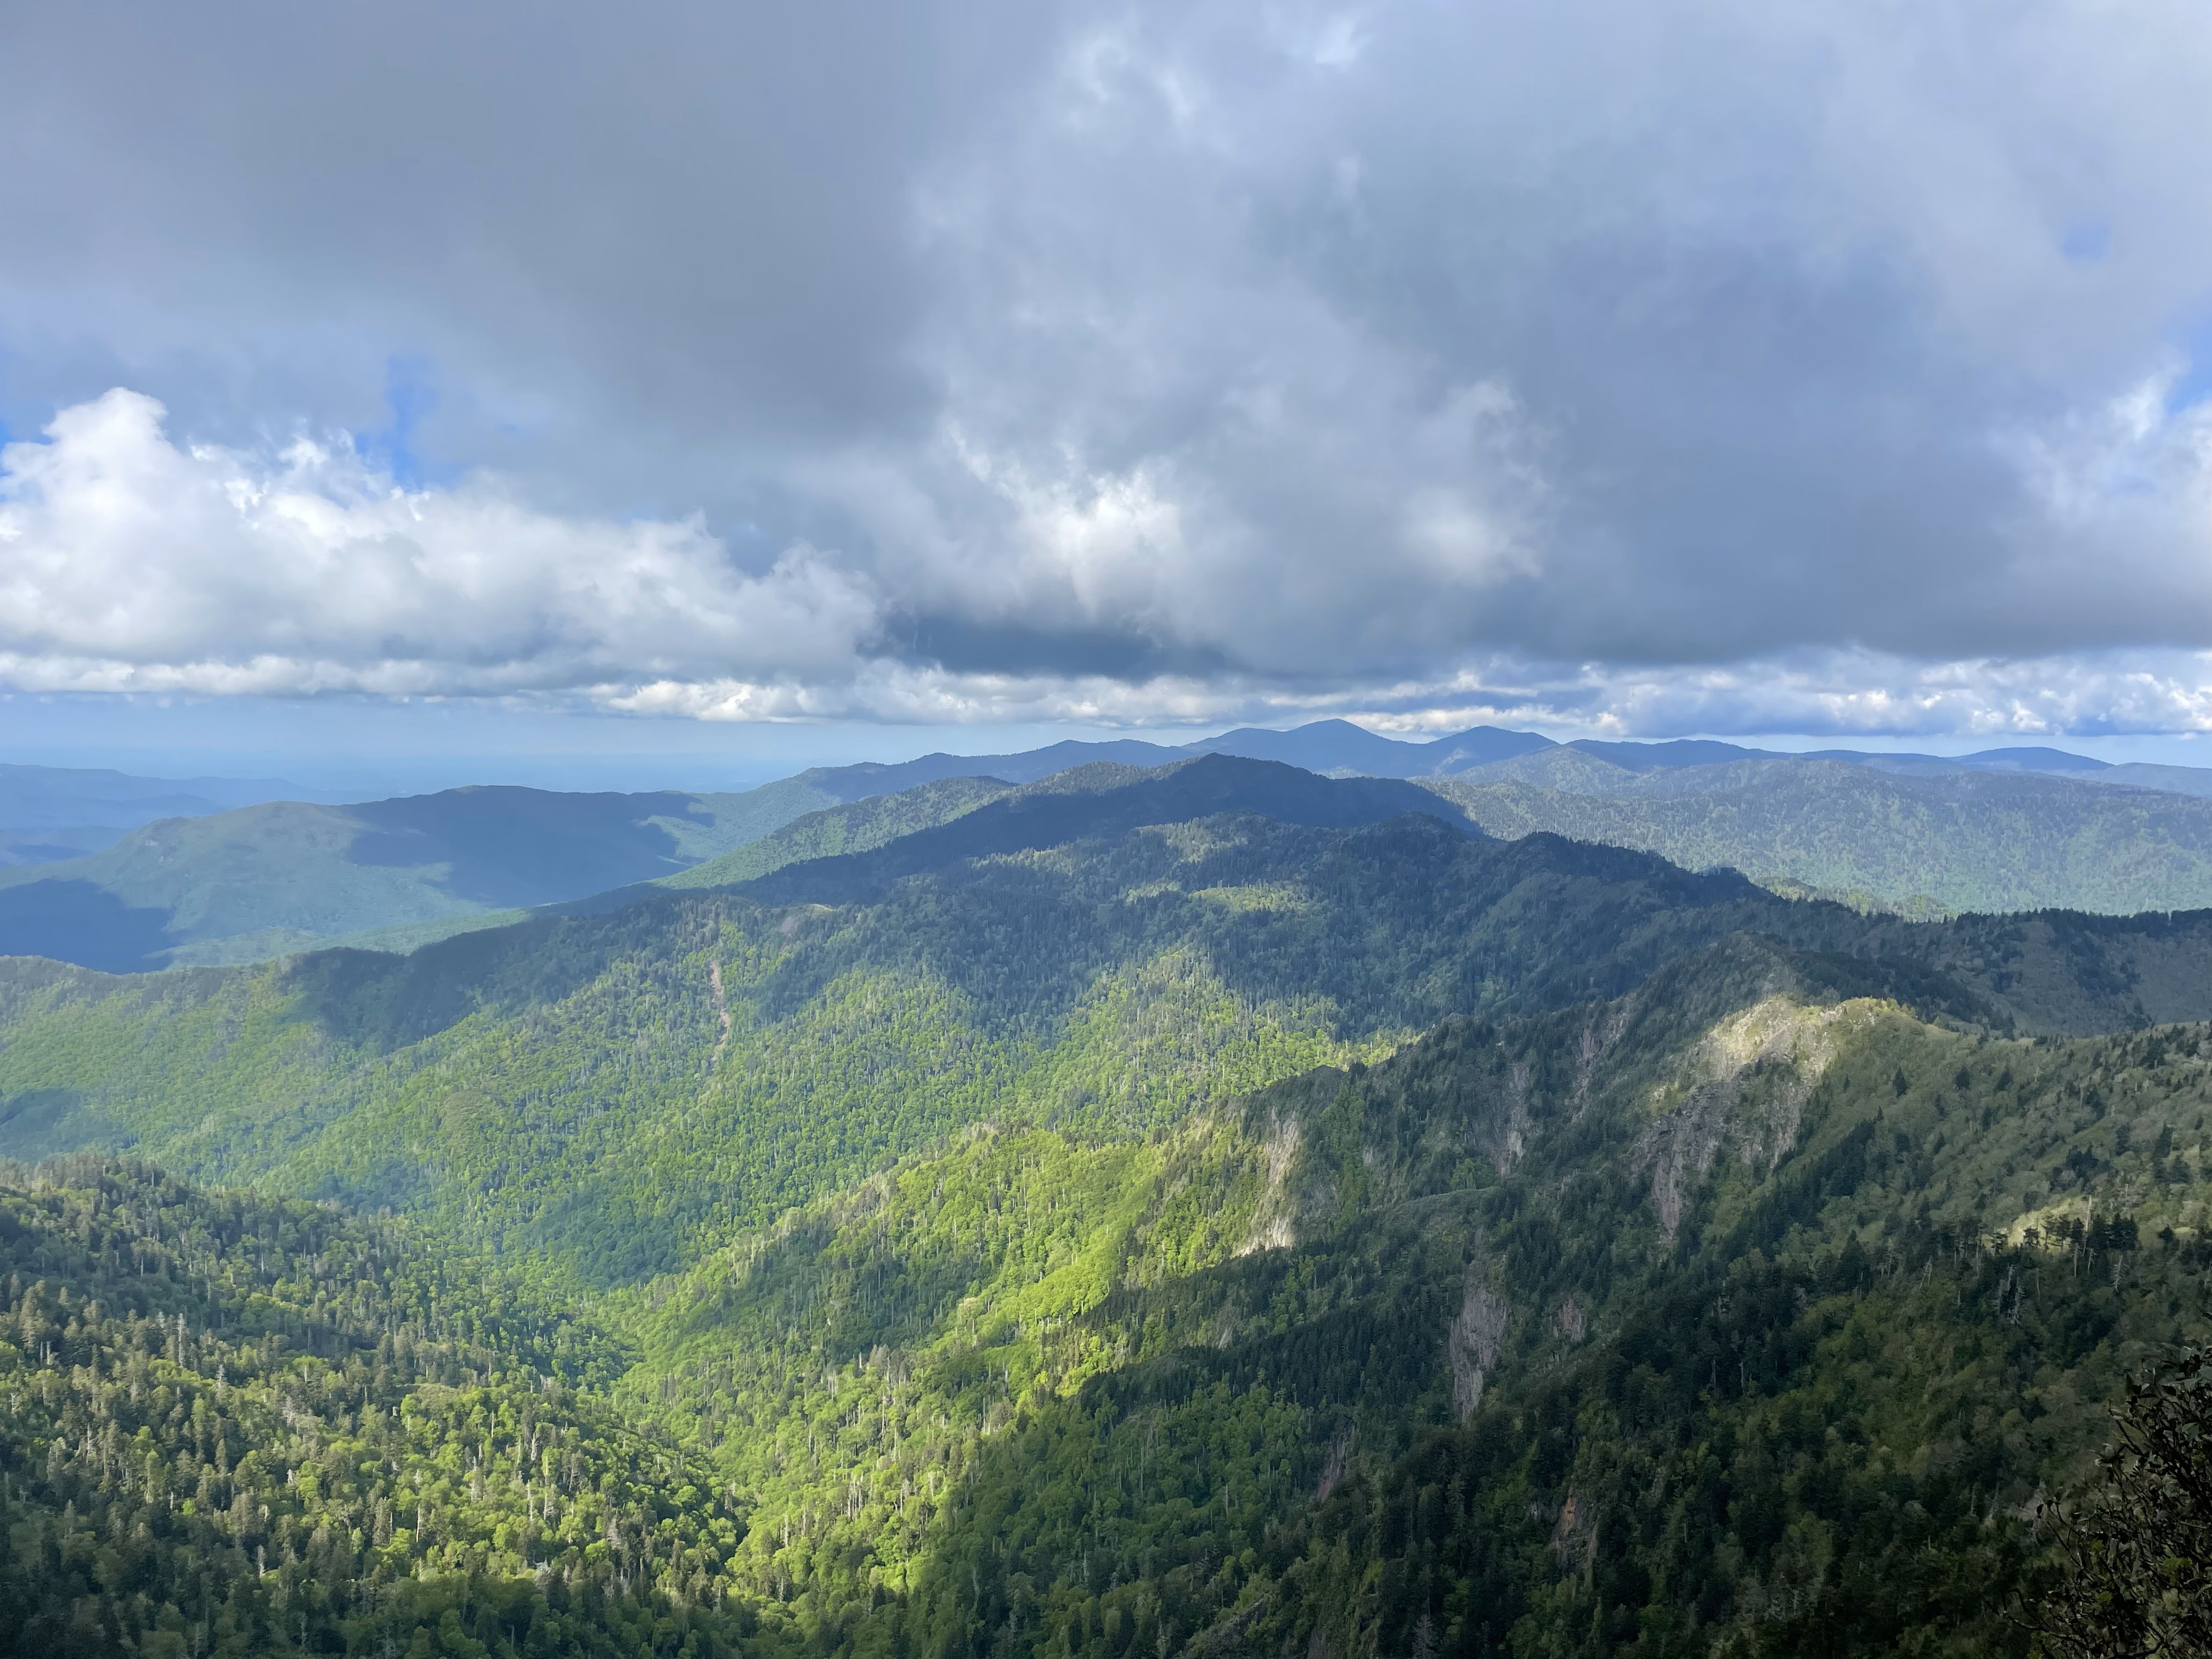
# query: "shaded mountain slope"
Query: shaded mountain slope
1339,748
849,855
857,827
1102,801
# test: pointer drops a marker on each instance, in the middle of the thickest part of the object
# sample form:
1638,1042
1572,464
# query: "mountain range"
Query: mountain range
1102,950
1204,1210
2007,829
282,876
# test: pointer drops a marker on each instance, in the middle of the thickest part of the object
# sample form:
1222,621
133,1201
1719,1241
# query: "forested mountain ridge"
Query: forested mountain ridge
1097,799
1100,801
289,875
859,826
2008,829
49,813
267,879
1958,841
610,1090
1429,1357
1745,1313
574,1077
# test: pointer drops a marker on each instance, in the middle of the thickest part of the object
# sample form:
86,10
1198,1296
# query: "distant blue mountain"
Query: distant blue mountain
1683,751
868,778
1324,746
52,812
1341,746
2055,763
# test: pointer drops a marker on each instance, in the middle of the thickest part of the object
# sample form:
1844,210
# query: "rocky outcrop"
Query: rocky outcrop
1747,1082
1476,1338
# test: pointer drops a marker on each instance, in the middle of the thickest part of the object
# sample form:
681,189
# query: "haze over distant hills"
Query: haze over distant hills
1921,841
286,875
2007,828
1337,747
53,812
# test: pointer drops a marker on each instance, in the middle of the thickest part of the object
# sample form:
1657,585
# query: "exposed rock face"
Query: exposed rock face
1572,1322
1476,1338
1574,1534
1505,1138
1333,1467
1679,1148
1787,1049
1595,1041
1274,1227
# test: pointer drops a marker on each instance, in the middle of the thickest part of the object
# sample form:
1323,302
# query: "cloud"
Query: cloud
128,563
1846,695
1842,694
1830,366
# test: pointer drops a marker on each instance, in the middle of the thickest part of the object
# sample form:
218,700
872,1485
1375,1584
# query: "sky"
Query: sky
679,385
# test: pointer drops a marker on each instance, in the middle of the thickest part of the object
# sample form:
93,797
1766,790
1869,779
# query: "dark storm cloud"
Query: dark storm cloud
695,215
1596,361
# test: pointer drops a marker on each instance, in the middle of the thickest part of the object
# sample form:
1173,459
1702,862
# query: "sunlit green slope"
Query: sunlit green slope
1738,1316
232,1425
572,1085
1747,1312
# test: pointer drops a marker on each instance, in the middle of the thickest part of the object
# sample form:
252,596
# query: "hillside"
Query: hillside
1957,841
243,885
1746,1310
859,827
237,1425
589,1057
268,880
1736,1309
1333,748
605,1091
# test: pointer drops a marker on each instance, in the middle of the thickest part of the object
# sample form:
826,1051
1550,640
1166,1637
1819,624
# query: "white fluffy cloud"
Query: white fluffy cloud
129,562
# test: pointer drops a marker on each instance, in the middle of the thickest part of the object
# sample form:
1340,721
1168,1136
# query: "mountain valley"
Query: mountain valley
1198,1210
